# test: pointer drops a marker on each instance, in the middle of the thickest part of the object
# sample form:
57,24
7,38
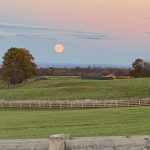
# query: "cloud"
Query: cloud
147,32
34,35
4,35
26,27
147,18
23,31
91,36
28,34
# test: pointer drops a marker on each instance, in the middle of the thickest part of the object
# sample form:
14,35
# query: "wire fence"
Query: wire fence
39,104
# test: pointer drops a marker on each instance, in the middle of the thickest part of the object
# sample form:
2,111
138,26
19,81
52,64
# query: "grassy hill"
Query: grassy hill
22,123
90,122
73,88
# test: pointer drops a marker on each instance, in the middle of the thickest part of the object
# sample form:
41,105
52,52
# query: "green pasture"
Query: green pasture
62,88
91,122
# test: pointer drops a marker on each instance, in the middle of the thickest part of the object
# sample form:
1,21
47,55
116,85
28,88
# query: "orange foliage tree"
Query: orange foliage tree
18,65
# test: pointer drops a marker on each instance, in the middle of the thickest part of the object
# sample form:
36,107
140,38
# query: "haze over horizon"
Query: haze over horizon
92,32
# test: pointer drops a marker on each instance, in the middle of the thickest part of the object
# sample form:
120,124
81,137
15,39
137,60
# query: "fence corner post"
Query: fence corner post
57,142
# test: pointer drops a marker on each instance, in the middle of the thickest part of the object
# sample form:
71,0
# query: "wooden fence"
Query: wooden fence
6,85
35,104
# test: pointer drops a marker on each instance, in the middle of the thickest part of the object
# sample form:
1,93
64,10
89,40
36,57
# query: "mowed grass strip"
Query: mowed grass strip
72,88
91,122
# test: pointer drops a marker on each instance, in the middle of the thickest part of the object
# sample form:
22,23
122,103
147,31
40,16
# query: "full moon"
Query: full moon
59,48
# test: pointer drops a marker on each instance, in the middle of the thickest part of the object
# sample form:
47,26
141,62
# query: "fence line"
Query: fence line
7,85
39,104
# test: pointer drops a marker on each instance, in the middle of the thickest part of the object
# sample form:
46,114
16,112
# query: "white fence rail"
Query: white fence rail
41,104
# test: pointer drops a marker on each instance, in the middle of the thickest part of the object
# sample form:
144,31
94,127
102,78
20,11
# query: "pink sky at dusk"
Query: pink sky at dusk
97,15
126,19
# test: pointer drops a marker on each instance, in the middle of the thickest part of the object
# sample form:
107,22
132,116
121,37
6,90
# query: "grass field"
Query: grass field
90,122
73,88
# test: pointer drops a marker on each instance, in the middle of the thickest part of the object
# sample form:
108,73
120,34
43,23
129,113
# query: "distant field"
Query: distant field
91,122
59,88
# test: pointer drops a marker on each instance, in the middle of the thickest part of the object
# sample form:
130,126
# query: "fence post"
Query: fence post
139,102
50,106
57,142
105,103
1,104
116,103
71,104
93,104
60,105
10,104
39,104
30,103
20,104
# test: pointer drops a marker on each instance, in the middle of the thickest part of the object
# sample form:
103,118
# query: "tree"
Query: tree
138,64
146,70
1,73
18,65
137,68
140,68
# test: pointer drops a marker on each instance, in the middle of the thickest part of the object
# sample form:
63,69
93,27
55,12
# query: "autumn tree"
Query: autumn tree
18,65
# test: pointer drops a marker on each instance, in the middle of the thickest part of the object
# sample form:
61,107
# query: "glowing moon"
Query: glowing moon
59,48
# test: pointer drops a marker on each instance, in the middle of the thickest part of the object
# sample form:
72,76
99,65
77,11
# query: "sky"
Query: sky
91,31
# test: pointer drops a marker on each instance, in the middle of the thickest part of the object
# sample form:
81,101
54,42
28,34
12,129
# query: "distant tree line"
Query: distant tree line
18,66
83,72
